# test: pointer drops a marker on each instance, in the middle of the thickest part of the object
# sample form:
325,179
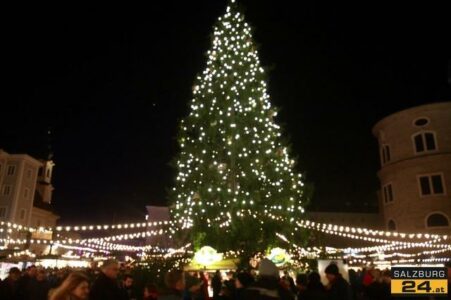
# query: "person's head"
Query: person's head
301,281
32,271
230,275
76,285
376,274
218,273
313,280
243,280
41,275
128,280
268,269
175,279
110,268
331,272
386,276
150,291
14,273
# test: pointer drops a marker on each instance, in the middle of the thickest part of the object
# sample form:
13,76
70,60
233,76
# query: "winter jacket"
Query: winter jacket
340,290
105,288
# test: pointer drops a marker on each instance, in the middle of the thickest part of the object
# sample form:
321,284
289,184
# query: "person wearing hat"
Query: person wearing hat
267,286
338,288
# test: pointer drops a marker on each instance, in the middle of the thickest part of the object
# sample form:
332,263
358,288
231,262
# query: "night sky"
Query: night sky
112,84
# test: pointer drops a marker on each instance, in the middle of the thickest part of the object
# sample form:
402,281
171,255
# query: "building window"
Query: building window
391,225
2,212
26,191
385,154
437,220
424,141
431,185
6,190
388,193
40,171
11,170
29,173
48,173
22,214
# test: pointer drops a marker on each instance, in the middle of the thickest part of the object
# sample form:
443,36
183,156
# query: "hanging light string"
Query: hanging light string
340,231
362,257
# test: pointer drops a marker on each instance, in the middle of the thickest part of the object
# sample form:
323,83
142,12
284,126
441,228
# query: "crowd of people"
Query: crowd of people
108,284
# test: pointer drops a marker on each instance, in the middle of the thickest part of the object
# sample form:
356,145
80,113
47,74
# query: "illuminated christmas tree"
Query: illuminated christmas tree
236,184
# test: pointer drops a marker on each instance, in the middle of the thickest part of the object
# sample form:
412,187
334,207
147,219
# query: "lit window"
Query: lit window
424,141
11,170
388,193
431,185
391,225
437,220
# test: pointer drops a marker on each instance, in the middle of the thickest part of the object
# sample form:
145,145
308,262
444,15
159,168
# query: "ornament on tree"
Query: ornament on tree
222,167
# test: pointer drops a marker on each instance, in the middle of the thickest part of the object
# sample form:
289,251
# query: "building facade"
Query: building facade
415,173
26,190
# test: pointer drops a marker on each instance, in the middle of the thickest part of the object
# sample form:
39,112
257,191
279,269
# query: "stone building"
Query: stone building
26,190
415,173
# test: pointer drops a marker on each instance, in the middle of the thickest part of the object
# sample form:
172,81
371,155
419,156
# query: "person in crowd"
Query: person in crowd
26,282
192,287
367,278
216,284
57,277
105,286
290,281
175,284
301,283
127,288
338,288
8,287
40,287
74,287
242,281
267,287
203,293
150,292
314,289
386,284
229,283
375,290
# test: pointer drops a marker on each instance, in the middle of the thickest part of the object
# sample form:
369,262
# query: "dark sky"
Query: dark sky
112,83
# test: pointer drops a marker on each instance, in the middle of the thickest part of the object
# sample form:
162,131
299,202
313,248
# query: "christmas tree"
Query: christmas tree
236,185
